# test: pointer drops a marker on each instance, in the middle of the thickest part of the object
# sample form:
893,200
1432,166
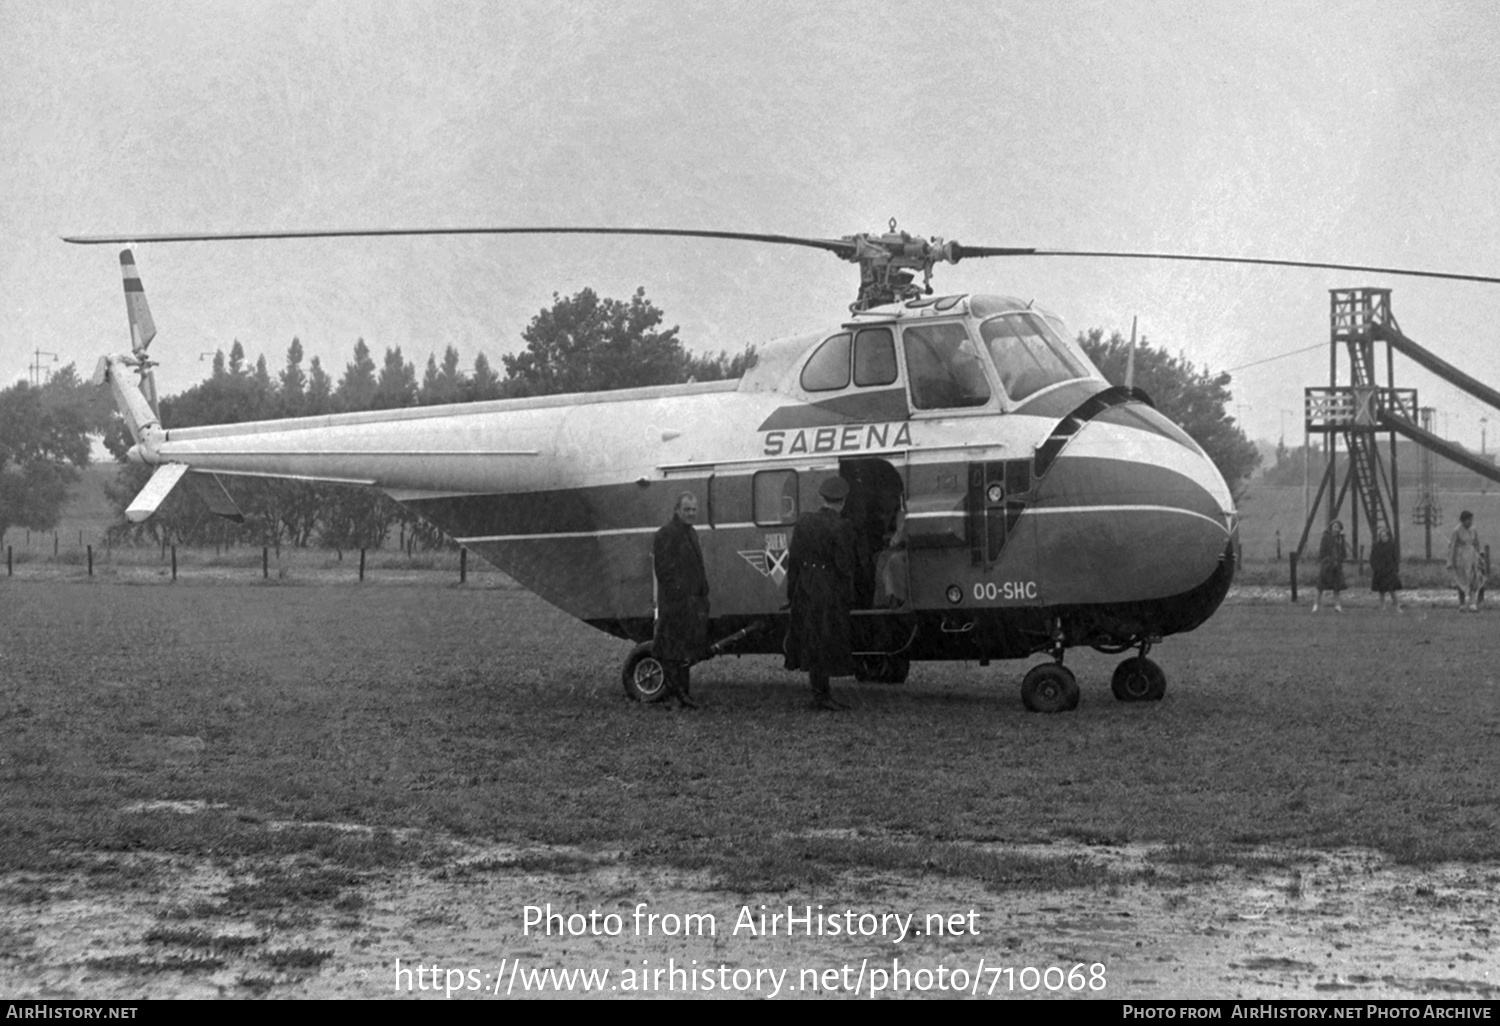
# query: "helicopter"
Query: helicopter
1009,500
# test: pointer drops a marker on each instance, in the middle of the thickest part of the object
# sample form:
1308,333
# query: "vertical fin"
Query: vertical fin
142,326
1130,360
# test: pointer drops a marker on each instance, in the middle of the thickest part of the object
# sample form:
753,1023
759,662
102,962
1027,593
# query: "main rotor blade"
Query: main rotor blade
845,248
987,251
841,247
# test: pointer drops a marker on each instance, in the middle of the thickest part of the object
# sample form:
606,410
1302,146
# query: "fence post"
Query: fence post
54,543
463,565
361,564
1292,560
174,562
91,561
9,567
265,561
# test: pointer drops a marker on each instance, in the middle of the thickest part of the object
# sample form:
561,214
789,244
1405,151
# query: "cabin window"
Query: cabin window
874,357
775,496
944,367
828,368
1029,354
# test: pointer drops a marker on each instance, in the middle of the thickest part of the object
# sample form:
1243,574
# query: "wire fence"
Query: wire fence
86,555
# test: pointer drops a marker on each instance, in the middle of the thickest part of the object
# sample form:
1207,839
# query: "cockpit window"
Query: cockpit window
1029,355
874,357
944,367
828,369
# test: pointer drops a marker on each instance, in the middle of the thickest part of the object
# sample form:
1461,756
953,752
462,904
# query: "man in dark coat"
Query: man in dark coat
820,582
681,598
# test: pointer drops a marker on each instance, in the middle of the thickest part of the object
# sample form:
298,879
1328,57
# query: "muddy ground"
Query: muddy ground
1345,924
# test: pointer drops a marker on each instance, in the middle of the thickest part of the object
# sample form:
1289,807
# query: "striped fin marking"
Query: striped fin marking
142,327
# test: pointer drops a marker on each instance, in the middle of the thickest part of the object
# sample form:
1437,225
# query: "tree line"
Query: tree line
1194,398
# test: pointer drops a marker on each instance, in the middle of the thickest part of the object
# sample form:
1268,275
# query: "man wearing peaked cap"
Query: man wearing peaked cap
820,584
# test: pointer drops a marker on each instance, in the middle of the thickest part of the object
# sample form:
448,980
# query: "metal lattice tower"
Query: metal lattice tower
1353,411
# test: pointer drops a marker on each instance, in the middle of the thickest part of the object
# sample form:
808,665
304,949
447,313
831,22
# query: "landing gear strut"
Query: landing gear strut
1051,687
645,680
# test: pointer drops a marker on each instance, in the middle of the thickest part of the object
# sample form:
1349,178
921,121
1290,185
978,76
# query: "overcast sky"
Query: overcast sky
1358,133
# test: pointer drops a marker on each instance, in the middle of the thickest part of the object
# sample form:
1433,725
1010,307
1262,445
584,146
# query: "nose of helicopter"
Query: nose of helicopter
1136,509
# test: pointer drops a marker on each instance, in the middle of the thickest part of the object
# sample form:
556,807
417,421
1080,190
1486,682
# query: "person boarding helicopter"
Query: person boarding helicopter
822,567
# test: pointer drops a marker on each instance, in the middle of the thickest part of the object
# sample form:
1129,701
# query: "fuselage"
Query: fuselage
1003,491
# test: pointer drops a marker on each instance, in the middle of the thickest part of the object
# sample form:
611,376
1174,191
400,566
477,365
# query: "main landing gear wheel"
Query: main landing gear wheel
1050,688
1138,679
881,669
644,679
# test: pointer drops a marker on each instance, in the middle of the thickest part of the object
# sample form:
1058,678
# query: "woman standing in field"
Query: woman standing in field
1332,551
1464,562
1385,569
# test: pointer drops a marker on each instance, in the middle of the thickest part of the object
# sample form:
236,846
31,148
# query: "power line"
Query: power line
1280,356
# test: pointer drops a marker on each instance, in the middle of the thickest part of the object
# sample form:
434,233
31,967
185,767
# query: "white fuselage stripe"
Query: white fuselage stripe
1129,509
555,535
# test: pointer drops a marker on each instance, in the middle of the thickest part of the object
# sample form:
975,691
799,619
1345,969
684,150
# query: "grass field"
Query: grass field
485,712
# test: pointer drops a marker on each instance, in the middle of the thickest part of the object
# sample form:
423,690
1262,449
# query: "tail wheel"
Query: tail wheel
1138,679
643,676
1050,688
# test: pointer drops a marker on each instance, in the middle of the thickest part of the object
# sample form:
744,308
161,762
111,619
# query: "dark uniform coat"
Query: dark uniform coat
1332,551
1385,567
821,566
681,593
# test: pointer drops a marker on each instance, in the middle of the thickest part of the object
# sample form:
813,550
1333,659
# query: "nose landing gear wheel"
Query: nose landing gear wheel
643,677
1138,679
1049,688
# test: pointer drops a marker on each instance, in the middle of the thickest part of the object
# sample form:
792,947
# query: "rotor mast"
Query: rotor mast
887,262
